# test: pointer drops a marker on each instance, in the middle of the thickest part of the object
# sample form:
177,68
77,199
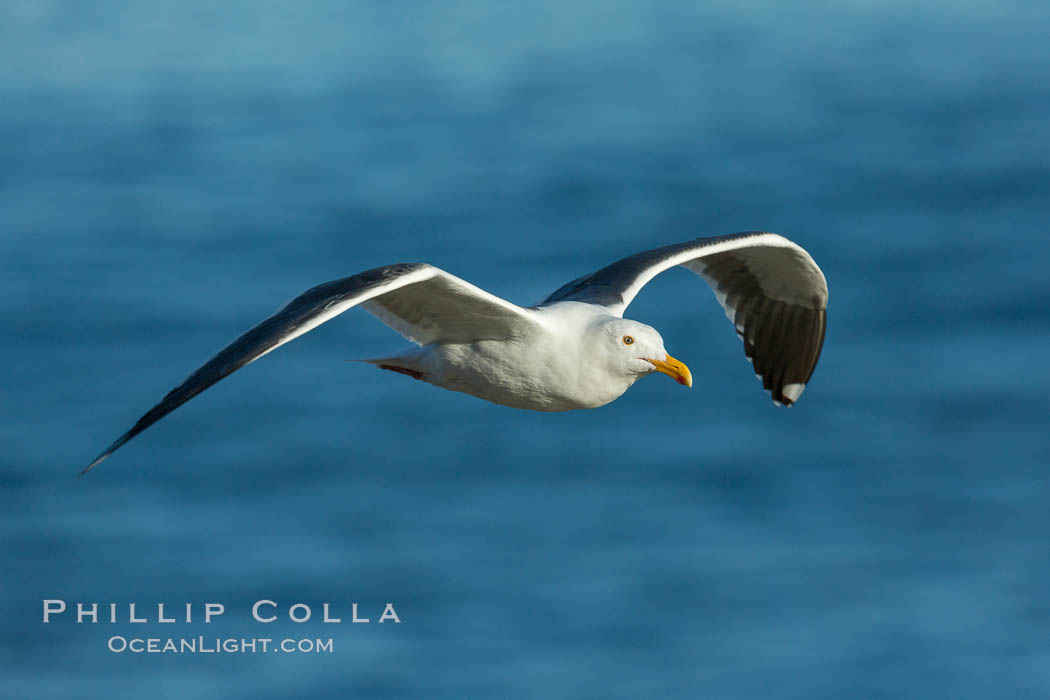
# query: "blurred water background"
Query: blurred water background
172,172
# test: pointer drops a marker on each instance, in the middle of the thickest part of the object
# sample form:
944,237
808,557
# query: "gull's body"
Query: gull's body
540,369
575,350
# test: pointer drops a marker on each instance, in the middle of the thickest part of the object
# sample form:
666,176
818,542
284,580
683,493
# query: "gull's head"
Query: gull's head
634,349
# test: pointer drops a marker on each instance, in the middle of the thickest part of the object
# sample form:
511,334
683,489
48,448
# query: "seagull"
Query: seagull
573,350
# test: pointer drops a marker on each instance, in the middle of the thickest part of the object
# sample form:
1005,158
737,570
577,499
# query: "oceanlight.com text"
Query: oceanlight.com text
218,645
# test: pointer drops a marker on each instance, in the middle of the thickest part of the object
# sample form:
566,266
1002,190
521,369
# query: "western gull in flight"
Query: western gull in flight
573,350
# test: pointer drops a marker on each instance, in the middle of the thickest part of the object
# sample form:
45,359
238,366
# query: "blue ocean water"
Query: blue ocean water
172,172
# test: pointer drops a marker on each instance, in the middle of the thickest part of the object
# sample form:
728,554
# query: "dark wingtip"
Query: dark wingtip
99,460
105,454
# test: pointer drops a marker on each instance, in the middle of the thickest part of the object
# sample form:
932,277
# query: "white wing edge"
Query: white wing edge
764,240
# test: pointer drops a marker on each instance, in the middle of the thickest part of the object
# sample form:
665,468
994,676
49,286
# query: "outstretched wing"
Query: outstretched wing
769,287
419,301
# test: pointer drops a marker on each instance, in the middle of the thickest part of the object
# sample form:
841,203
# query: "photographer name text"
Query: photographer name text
264,611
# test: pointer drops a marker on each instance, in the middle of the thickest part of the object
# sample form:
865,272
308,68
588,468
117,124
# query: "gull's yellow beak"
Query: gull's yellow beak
674,369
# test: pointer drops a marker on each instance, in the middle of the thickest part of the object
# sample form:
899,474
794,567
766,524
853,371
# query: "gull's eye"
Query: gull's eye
628,340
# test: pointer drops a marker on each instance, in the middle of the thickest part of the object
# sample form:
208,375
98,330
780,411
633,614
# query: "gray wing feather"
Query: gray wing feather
769,287
392,293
